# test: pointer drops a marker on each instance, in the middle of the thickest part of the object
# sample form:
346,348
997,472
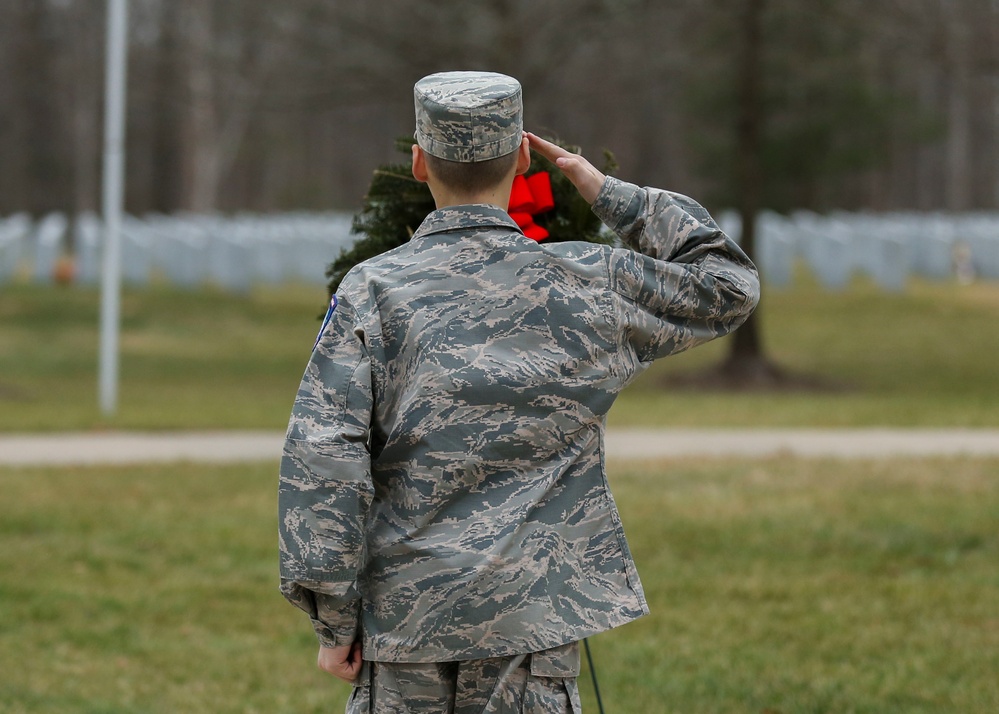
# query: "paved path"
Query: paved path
234,446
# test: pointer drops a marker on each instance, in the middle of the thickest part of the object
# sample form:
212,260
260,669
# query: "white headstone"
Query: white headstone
49,246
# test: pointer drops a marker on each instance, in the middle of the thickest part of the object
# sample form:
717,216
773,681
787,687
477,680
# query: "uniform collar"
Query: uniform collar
474,215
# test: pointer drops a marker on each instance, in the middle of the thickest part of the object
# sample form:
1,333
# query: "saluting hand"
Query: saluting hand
583,175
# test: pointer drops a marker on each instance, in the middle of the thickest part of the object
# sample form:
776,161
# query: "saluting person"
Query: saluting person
445,517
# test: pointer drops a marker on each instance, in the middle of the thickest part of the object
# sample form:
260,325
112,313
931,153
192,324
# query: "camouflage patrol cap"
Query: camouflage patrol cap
468,116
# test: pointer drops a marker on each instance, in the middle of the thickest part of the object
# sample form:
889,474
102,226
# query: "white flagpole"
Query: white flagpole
112,201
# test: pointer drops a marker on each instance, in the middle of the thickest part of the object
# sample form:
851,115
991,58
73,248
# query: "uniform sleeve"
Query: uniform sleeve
684,281
325,487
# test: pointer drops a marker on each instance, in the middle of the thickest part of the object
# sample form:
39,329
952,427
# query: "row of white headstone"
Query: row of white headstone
237,252
888,248
233,253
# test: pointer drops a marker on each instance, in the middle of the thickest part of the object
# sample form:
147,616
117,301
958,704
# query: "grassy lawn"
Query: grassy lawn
925,357
785,585
188,359
209,360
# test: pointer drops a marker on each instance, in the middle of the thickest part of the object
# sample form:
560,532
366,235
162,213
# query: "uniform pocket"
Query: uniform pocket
551,686
360,697
572,689
560,661
549,695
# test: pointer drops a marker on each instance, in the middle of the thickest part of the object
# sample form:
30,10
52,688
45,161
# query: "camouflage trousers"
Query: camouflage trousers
539,683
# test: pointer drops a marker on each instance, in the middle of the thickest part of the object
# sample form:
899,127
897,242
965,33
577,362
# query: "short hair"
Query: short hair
471,177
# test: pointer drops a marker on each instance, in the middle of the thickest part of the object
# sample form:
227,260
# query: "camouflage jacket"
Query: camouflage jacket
442,488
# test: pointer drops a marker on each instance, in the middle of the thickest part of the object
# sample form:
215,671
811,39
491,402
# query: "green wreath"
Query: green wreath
396,204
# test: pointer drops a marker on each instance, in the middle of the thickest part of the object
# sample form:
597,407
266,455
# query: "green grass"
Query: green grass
925,357
788,586
188,359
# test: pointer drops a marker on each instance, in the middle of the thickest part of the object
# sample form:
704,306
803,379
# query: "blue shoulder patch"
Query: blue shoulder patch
326,322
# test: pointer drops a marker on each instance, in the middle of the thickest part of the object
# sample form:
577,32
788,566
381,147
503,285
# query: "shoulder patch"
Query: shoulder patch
326,321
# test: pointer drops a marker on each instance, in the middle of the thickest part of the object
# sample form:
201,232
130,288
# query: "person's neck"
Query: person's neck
498,196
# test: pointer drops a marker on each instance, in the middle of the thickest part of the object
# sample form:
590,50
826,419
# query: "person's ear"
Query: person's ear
419,164
524,156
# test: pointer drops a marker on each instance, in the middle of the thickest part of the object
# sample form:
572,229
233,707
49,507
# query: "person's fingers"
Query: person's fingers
550,151
583,175
342,662
354,657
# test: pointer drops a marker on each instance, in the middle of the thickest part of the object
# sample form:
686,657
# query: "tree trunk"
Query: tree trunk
166,145
201,131
746,353
959,142
80,87
43,170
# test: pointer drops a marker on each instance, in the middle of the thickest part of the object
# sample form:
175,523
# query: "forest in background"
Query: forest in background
246,105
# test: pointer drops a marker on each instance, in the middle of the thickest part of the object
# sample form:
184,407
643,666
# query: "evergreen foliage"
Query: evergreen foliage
396,205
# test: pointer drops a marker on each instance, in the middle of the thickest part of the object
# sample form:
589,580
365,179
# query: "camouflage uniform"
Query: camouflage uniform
442,490
539,682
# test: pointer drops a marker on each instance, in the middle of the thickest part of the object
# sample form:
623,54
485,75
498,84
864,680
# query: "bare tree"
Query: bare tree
249,104
36,176
746,361
958,64
77,85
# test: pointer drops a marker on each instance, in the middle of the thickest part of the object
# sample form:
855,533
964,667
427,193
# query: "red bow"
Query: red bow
529,197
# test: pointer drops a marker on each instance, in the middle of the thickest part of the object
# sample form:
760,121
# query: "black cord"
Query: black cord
593,675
